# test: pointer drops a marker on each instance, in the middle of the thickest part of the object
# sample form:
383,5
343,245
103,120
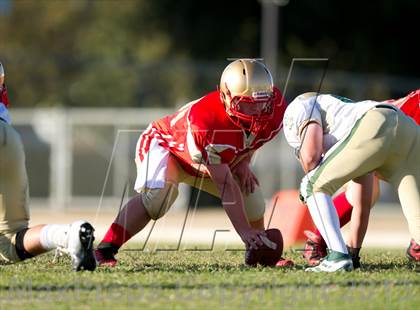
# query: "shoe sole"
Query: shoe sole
344,268
86,237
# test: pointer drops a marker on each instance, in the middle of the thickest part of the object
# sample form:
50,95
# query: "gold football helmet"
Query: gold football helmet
246,88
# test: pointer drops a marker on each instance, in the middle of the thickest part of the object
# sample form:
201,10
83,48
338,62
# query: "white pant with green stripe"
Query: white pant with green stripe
384,141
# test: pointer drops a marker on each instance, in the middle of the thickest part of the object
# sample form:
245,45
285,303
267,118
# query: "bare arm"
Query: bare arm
246,178
233,204
311,147
360,194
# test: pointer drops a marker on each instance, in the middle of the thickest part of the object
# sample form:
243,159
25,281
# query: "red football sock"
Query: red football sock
116,235
344,209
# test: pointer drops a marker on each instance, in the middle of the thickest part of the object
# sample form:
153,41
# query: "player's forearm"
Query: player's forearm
230,195
232,202
310,161
311,147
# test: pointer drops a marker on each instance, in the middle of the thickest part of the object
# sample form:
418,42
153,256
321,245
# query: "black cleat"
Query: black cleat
80,246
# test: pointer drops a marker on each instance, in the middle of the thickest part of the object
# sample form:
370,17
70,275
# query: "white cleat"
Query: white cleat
333,262
80,246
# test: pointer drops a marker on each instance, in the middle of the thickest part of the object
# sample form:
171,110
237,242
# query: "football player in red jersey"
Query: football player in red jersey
315,247
18,241
208,143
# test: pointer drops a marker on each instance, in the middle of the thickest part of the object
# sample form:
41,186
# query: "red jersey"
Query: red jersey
202,133
410,105
3,95
4,103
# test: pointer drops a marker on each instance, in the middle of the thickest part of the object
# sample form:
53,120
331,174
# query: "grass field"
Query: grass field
209,280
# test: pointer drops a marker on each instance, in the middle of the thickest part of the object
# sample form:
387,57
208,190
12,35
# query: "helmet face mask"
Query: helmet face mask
246,88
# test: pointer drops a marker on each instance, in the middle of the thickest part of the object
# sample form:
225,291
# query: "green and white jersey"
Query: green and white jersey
336,115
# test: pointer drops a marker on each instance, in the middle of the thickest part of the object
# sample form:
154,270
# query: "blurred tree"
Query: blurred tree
149,53
120,53
365,36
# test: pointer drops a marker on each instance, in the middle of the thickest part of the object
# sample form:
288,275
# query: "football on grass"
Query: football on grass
269,253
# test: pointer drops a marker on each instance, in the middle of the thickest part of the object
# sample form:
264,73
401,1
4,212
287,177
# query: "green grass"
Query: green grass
209,280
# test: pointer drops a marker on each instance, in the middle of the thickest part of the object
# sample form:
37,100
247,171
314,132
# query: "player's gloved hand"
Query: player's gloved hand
252,238
247,179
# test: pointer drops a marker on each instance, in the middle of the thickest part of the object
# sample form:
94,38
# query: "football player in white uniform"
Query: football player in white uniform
337,142
18,241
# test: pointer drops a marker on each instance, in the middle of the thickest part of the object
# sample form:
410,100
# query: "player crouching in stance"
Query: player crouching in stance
208,144
338,142
17,241
315,246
